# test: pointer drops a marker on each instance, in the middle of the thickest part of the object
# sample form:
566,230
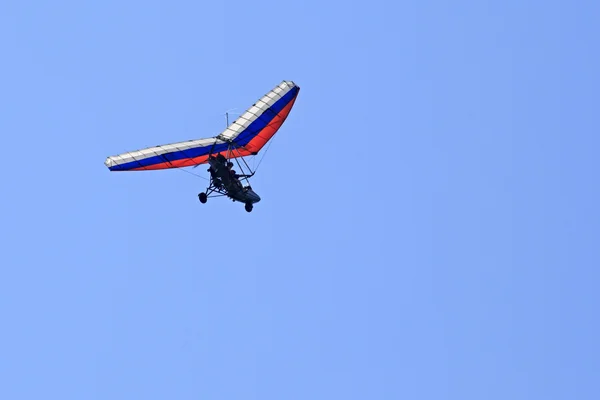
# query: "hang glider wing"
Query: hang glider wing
246,136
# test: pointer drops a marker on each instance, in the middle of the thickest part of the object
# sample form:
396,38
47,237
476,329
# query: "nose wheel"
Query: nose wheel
249,207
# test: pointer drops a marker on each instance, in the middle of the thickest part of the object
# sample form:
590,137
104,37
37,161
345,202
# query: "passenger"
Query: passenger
221,158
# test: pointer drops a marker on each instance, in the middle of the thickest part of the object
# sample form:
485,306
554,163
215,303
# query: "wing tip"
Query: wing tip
288,83
110,163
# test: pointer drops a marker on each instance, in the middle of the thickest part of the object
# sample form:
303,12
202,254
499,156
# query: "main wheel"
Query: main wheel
249,207
203,197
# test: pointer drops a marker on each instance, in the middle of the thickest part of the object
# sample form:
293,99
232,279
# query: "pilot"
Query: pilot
234,176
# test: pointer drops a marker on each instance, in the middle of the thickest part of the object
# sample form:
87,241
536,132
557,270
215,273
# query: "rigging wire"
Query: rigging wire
265,153
191,173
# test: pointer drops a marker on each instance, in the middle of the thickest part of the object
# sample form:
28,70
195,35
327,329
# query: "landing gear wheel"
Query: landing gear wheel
203,197
249,207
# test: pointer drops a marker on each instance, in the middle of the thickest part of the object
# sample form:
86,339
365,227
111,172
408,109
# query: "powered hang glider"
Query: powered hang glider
246,136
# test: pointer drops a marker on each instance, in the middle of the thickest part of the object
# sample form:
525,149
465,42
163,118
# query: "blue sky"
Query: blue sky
429,224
